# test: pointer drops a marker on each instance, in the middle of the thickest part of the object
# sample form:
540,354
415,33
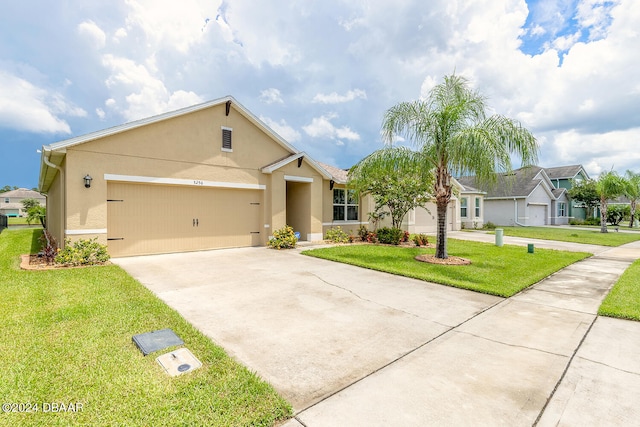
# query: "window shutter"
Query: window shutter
226,139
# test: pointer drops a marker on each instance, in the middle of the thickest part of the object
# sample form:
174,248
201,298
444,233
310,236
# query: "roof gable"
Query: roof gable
519,183
566,172
301,156
53,155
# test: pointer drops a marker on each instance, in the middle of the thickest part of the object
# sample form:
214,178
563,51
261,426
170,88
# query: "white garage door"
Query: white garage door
537,215
151,219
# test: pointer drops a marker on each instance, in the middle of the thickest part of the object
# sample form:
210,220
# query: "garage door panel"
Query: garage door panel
537,215
146,219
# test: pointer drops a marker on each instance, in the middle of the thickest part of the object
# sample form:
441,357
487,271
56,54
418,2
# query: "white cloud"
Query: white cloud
271,96
283,129
27,107
89,30
145,94
100,113
173,25
321,127
334,98
119,35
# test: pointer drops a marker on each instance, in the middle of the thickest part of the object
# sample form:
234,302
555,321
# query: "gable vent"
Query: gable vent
226,138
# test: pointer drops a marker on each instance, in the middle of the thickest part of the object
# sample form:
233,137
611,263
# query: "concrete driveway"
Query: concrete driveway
349,346
310,327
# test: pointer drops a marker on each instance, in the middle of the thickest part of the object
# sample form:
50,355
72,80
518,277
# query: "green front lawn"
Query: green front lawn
66,338
498,271
624,299
17,220
592,237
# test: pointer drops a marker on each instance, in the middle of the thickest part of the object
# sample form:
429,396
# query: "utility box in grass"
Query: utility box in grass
499,235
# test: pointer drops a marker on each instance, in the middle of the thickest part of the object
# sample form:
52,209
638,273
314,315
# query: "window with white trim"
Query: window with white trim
562,209
345,205
463,207
477,207
226,139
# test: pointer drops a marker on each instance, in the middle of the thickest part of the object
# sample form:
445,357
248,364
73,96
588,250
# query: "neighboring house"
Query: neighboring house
207,176
524,197
11,201
471,203
562,177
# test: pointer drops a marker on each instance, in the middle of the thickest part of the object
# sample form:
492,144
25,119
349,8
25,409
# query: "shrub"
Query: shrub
336,235
592,221
284,238
82,252
576,221
489,226
405,237
363,233
390,236
49,246
420,239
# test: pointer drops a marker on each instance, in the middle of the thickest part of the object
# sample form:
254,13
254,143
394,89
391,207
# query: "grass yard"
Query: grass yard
497,271
66,338
623,300
592,237
16,220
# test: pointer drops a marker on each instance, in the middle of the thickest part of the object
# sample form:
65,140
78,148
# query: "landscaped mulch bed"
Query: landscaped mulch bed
35,262
451,260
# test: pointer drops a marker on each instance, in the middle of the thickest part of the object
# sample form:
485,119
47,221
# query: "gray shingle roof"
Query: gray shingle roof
563,172
519,183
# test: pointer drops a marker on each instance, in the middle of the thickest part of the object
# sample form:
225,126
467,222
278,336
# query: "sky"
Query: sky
321,73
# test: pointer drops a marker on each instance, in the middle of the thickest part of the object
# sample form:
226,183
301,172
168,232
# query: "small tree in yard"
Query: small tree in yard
29,203
392,182
585,192
632,191
37,213
609,186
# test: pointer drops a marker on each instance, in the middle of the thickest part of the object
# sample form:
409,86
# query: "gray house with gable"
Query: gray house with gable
526,197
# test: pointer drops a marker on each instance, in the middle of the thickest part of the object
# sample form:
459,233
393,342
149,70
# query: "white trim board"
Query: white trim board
87,231
293,178
180,181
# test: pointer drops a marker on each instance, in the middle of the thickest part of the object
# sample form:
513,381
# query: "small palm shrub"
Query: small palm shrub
336,235
489,226
82,252
283,238
390,236
420,239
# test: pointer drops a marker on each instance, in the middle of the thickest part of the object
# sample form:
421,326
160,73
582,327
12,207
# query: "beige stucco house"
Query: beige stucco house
207,176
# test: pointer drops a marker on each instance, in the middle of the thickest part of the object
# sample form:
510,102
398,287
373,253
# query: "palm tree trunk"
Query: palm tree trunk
603,216
441,234
633,213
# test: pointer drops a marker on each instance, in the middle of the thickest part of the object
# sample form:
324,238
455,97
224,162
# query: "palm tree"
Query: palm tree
609,186
632,192
453,135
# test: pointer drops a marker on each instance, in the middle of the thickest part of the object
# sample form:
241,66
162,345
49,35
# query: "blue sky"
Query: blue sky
321,73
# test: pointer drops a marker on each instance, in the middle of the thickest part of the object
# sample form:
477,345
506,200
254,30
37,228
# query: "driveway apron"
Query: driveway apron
308,326
349,346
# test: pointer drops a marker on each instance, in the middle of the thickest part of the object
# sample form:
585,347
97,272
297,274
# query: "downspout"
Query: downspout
515,218
47,161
